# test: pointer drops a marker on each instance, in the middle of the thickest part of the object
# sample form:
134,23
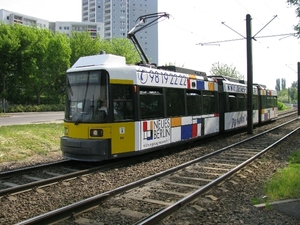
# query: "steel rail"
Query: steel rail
156,217
9,173
52,180
83,205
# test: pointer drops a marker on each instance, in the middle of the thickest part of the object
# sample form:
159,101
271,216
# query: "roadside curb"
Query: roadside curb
291,207
263,205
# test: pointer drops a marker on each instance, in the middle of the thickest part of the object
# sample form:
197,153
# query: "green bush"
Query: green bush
34,108
281,106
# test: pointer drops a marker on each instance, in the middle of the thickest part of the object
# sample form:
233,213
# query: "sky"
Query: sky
184,38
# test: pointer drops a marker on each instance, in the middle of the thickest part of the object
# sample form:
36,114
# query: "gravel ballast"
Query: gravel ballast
232,203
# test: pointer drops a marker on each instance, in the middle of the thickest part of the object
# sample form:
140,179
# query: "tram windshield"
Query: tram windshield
87,96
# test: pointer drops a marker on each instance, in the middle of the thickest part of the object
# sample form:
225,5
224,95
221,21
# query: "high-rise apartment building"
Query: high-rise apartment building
120,16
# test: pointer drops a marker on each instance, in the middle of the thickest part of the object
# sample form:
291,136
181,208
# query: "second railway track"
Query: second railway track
149,202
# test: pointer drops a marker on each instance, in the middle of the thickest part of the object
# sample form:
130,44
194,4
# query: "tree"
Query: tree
49,59
82,44
283,83
8,45
23,63
225,70
294,91
295,84
296,3
122,47
33,61
277,87
58,60
38,79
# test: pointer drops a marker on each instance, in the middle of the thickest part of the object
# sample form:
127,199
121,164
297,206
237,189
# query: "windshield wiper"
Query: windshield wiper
86,112
83,104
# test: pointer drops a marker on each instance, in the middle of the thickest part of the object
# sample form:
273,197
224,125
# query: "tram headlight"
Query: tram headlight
66,131
96,133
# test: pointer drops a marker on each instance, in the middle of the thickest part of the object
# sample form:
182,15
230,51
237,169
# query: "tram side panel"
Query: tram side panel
236,114
233,104
268,104
170,91
255,105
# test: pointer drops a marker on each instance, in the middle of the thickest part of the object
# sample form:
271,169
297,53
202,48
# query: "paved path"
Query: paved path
30,118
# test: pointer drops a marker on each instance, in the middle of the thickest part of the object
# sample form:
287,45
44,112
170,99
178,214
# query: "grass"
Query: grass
285,183
20,142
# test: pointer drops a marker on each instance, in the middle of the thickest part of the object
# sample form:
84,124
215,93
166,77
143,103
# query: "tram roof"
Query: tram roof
112,63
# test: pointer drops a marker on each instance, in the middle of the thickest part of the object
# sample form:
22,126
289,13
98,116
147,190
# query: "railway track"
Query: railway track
150,200
24,179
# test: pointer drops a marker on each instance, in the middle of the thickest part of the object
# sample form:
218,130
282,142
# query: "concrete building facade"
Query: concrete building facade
9,17
67,27
94,28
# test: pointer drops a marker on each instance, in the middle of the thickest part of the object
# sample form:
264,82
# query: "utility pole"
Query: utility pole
249,38
249,76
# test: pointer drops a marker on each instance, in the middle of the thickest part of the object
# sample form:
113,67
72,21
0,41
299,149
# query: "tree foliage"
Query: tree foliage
33,61
295,84
121,46
296,3
83,45
277,87
283,83
9,44
225,70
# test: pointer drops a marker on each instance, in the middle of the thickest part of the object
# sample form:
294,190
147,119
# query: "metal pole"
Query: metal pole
249,76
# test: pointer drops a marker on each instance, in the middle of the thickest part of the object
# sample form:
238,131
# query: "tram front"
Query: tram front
87,107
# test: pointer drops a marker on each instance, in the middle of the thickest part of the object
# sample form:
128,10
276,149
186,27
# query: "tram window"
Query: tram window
209,103
232,106
194,103
264,101
255,102
151,103
274,102
175,102
241,102
271,102
122,101
84,90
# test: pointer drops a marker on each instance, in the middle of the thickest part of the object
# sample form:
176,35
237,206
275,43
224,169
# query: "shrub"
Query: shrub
281,106
33,108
